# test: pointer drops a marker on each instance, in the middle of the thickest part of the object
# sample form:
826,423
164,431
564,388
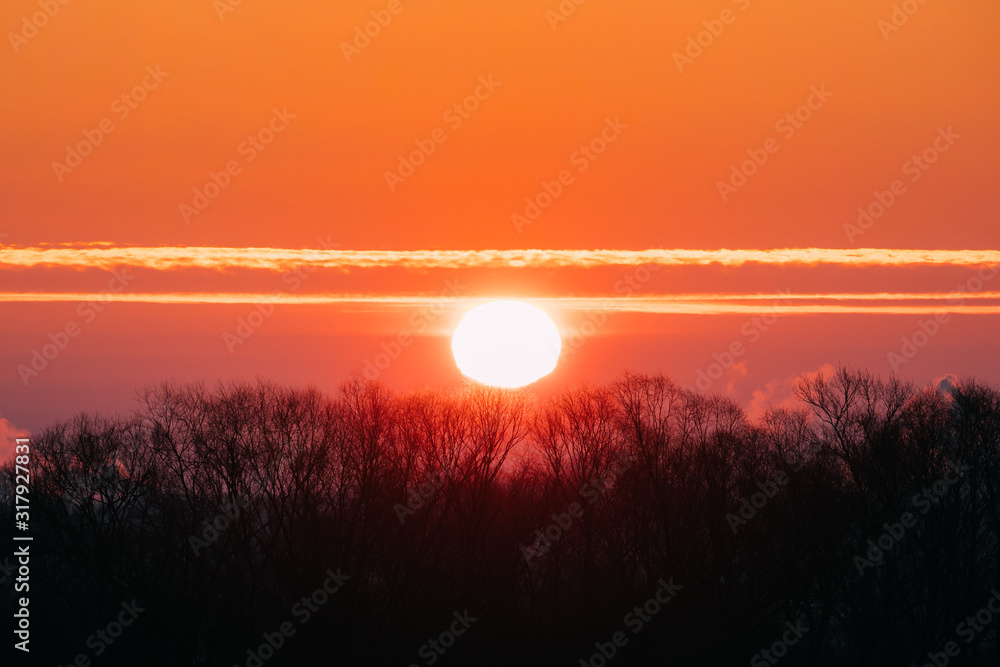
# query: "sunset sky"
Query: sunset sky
752,191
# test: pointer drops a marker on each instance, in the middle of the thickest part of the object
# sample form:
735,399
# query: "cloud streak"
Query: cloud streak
703,304
104,256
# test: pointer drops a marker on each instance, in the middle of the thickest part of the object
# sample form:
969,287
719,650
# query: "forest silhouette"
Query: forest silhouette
633,523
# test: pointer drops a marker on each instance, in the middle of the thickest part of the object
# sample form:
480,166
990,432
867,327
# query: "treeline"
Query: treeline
630,524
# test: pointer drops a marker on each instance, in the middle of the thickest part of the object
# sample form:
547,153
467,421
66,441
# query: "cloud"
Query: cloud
281,259
781,393
946,383
735,372
677,304
8,435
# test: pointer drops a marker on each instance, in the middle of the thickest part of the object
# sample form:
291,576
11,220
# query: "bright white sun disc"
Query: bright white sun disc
506,344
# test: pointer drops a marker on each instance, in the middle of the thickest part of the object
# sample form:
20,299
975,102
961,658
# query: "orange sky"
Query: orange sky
613,119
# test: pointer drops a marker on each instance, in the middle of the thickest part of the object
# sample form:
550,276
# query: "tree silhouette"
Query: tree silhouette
869,514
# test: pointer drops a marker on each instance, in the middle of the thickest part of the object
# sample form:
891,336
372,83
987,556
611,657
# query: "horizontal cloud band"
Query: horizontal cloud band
703,304
104,256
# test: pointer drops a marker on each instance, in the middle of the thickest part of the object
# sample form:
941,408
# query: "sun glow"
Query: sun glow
506,344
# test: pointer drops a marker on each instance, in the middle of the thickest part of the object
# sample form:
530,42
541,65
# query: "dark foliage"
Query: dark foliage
218,511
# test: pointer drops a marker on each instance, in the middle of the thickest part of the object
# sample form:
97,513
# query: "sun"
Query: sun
506,344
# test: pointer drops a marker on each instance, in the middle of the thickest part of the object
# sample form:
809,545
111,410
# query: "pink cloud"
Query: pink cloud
781,393
737,371
8,439
946,383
